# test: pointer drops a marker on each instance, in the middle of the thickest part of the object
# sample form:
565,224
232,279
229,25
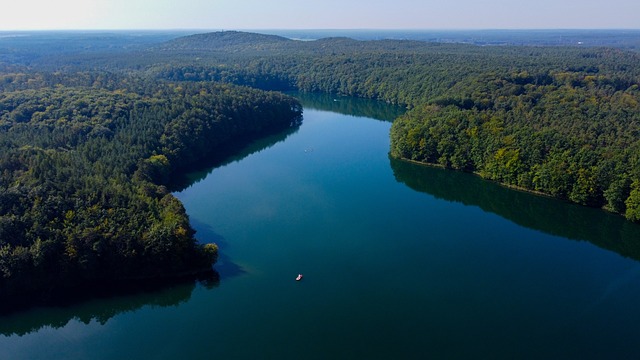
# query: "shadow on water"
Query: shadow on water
229,154
102,307
373,109
224,266
552,216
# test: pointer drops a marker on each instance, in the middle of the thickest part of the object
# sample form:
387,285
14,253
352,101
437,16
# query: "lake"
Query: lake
400,261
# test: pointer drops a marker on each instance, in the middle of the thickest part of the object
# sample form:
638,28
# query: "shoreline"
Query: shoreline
508,186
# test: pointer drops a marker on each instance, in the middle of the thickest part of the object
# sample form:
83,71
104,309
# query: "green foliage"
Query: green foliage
633,202
569,134
155,169
616,194
82,168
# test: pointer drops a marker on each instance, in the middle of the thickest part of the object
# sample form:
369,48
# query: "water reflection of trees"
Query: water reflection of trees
551,216
231,153
349,105
102,307
251,145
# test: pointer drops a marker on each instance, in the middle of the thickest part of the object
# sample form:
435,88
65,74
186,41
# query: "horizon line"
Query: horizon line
317,29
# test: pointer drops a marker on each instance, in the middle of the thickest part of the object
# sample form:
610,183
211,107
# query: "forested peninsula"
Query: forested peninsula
83,189
91,139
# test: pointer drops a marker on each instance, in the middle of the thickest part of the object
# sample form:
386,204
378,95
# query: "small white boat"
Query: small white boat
299,277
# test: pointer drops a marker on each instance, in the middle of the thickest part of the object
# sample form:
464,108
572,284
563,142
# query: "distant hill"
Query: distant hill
247,43
622,38
225,40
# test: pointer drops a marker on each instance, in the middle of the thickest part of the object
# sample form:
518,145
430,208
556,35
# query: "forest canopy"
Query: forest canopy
83,195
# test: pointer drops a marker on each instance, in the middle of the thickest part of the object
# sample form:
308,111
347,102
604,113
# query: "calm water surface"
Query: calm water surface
399,261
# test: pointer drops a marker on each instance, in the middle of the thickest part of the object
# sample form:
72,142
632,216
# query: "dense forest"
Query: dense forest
91,139
85,170
574,137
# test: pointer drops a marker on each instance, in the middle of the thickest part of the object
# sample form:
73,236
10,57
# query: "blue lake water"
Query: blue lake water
399,261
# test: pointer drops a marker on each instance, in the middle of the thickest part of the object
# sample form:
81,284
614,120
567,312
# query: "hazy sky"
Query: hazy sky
325,14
